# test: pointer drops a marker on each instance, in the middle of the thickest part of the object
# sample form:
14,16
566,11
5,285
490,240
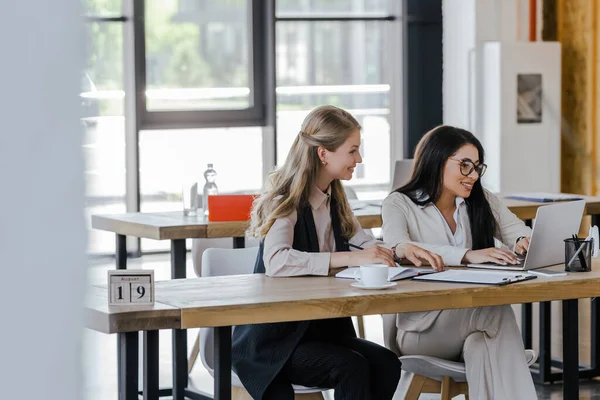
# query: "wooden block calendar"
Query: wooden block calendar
131,287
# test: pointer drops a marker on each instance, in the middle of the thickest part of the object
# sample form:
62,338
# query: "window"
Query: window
102,116
197,82
168,157
335,52
199,66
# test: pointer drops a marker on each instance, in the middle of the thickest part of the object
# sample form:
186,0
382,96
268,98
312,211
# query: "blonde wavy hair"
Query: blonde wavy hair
288,188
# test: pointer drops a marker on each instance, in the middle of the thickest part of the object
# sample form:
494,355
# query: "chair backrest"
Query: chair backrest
222,262
402,173
389,333
350,193
199,246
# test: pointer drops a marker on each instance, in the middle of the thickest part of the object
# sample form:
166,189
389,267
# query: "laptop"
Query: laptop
553,224
402,173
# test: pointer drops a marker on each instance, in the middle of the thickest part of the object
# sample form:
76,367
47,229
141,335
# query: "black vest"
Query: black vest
260,351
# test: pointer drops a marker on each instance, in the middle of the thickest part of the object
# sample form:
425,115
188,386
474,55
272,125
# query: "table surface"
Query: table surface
172,225
255,298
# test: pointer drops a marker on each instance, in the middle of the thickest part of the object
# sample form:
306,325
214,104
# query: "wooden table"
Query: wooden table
222,302
174,226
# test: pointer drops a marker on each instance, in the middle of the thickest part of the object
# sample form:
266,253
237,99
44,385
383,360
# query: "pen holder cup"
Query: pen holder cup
578,255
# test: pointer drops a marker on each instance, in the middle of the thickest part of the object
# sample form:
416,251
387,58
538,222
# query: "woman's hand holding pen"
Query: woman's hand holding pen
417,255
381,255
373,255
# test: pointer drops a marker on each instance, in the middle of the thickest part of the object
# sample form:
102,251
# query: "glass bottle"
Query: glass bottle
210,187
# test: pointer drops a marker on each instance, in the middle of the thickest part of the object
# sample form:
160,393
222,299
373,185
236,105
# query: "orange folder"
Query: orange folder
234,207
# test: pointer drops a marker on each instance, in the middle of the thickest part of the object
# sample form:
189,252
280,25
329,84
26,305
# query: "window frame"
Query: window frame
255,115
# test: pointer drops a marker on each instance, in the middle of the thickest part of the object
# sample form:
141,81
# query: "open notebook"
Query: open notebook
394,273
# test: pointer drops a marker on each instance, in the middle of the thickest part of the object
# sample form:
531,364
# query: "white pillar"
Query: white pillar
467,25
42,231
458,58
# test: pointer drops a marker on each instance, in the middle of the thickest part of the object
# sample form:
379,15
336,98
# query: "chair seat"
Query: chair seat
303,389
437,368
434,368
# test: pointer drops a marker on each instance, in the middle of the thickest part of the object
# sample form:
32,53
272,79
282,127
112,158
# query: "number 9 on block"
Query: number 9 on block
130,287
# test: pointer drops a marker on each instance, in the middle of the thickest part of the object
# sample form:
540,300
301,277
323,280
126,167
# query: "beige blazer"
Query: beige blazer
424,226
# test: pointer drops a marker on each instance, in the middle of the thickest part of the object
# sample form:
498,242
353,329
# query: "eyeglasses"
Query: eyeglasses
467,167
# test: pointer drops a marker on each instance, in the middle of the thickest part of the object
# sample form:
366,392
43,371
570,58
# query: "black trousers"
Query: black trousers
355,368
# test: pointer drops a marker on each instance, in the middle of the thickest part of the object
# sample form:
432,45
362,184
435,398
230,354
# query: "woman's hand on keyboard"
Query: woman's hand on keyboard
491,254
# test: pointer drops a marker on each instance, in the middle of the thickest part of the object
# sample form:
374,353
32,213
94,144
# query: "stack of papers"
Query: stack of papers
543,197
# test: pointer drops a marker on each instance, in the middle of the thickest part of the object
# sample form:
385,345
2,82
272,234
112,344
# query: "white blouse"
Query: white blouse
425,226
282,260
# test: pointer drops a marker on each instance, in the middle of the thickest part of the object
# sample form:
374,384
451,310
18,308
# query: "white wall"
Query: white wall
42,235
521,157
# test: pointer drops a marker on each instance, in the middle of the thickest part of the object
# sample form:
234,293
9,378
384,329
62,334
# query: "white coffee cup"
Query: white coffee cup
372,275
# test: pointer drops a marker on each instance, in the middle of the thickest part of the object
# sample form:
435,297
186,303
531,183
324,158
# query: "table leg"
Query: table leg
223,363
180,376
239,242
128,365
545,359
595,327
178,255
150,365
121,261
526,322
570,350
121,251
527,313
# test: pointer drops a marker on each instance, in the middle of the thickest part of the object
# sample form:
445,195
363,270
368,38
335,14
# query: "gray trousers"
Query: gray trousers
489,342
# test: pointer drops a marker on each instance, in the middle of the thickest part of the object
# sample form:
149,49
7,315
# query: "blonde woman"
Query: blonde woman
305,225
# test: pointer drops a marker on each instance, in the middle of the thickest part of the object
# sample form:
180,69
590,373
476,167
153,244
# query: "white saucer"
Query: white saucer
384,286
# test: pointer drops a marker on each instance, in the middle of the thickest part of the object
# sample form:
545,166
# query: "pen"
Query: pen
354,246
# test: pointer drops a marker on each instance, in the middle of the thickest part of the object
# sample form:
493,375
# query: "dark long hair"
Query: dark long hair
426,183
